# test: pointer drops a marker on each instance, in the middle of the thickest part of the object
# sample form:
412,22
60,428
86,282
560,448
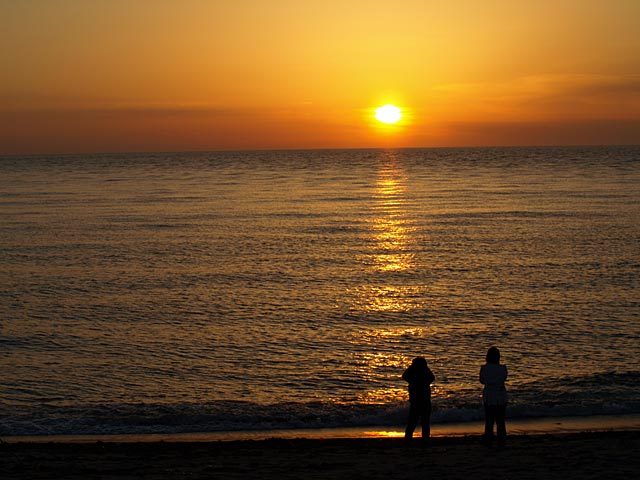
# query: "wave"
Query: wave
600,394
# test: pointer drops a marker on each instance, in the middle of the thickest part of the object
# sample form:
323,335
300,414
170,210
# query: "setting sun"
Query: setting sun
388,114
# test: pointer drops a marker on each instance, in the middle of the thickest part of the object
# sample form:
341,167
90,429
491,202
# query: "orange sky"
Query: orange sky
158,75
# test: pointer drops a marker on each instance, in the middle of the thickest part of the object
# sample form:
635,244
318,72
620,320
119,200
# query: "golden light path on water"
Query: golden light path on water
391,247
392,234
391,254
388,295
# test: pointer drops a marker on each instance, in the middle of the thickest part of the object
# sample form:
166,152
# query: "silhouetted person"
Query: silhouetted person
494,395
420,379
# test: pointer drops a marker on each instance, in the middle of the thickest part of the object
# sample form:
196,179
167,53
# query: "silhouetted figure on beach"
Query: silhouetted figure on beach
494,395
420,378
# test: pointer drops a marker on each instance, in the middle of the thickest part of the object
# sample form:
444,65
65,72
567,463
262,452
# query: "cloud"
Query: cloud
567,96
530,133
170,128
124,110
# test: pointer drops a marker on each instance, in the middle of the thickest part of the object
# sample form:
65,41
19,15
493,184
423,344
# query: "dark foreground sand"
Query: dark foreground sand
582,455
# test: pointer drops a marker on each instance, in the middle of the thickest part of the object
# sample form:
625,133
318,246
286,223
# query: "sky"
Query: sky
82,76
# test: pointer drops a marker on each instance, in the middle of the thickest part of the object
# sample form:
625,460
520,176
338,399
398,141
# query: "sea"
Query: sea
147,293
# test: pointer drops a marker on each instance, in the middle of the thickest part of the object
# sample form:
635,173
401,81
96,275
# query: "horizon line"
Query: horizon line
312,149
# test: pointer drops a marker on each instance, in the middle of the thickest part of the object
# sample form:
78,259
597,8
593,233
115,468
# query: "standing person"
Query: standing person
420,378
494,395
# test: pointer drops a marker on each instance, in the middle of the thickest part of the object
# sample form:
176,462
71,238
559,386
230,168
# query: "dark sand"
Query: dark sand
566,456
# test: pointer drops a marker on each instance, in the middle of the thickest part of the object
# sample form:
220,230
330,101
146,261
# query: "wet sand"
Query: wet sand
561,456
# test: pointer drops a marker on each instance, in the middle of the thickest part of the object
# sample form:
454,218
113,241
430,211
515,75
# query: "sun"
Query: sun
388,114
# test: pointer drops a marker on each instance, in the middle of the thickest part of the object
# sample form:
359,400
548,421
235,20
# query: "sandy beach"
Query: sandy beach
577,455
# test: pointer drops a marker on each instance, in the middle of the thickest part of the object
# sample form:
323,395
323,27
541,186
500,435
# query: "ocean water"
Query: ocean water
183,292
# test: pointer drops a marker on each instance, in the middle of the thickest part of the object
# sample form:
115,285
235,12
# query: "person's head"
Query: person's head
493,355
419,362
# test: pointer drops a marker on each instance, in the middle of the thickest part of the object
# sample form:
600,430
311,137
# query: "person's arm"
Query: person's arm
406,376
506,373
430,376
482,379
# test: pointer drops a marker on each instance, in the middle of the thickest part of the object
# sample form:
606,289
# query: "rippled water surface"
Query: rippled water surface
160,292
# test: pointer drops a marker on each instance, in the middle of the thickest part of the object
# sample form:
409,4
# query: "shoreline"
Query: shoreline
515,427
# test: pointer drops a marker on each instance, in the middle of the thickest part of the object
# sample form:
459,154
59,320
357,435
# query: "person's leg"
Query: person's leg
426,421
489,418
500,423
412,421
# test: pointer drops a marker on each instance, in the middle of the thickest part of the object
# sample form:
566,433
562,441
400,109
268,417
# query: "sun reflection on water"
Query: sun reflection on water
383,396
384,434
390,333
387,292
389,298
392,250
390,226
